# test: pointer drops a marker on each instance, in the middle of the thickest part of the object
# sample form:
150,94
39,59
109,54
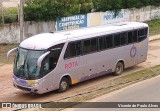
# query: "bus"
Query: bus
54,61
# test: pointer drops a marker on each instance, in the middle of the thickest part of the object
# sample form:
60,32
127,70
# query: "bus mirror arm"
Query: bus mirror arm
40,59
9,52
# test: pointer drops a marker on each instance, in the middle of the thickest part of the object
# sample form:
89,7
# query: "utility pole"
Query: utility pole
21,20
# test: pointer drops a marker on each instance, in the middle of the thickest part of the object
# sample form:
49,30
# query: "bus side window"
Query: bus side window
102,43
146,31
130,37
87,46
78,48
71,50
94,46
123,38
135,36
74,49
117,40
109,41
142,34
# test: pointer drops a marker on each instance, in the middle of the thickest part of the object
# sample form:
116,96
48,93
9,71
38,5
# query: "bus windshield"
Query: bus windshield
25,65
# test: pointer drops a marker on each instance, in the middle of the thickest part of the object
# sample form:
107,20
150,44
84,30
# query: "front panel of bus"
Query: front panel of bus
28,76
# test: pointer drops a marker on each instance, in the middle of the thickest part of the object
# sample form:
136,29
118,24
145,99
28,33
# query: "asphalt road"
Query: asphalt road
145,91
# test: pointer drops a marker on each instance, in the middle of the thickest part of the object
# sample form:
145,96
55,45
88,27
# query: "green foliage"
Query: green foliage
135,3
12,10
38,10
154,27
155,2
10,15
104,5
86,7
46,10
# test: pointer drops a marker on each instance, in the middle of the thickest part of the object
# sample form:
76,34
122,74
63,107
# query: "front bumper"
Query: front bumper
25,86
27,89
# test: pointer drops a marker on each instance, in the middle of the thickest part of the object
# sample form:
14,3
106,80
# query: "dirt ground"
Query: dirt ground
10,94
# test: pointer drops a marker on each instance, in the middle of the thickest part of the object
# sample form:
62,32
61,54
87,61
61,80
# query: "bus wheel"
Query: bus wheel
64,85
119,69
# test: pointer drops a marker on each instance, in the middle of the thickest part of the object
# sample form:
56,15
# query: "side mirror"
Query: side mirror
9,52
40,59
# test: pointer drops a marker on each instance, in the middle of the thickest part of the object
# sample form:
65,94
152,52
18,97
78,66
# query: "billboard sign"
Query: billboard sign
72,22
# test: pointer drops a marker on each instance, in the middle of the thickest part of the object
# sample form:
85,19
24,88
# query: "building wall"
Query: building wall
10,33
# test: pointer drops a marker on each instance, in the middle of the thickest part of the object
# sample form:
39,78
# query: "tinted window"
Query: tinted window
50,62
142,34
130,37
123,38
117,40
109,41
90,46
146,31
78,46
94,45
102,43
73,49
87,46
135,36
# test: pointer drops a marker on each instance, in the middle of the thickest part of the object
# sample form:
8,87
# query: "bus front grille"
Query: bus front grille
23,88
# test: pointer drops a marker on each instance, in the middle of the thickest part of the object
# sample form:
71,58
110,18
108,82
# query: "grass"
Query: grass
108,87
4,48
154,26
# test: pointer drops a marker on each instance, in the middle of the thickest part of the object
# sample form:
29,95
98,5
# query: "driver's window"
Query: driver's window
46,67
50,62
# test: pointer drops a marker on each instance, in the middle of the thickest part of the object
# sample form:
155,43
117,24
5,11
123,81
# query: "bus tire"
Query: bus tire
64,85
119,69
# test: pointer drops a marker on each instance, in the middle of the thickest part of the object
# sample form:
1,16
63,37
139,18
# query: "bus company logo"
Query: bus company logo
71,65
133,51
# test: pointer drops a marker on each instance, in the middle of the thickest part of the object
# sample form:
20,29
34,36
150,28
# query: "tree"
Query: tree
135,3
39,10
45,10
104,5
155,2
86,6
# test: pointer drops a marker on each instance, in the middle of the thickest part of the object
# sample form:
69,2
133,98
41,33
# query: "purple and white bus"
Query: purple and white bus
54,61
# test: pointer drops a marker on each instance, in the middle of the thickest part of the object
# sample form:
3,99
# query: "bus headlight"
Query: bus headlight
32,82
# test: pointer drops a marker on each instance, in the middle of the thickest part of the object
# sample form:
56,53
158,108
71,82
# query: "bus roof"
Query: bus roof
47,40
